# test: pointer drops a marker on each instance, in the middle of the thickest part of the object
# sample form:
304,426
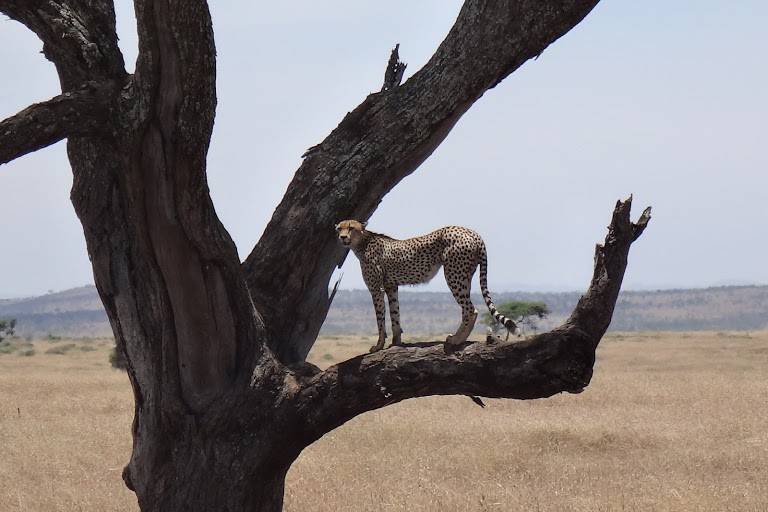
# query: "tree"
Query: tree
523,313
7,327
224,401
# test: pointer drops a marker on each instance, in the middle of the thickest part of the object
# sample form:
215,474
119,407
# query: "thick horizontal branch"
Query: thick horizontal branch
379,143
557,361
82,112
546,365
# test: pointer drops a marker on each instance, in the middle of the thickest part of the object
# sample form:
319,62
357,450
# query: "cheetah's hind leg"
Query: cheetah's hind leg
465,329
458,275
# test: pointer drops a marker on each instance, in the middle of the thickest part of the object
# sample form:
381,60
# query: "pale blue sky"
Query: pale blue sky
665,100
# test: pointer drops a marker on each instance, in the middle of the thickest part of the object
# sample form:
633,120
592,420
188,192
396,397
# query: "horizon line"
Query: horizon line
414,289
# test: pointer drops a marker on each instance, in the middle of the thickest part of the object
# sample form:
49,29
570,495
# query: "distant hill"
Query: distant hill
78,312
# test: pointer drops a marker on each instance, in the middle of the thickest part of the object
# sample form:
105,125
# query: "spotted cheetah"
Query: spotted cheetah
387,263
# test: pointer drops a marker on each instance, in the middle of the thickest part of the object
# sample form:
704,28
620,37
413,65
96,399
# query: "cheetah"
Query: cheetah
387,263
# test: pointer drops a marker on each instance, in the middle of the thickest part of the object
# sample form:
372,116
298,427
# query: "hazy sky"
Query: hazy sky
664,100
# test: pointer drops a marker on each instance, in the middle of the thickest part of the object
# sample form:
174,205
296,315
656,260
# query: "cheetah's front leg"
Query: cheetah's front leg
378,304
394,314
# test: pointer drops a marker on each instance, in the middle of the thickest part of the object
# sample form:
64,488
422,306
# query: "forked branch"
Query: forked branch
557,361
82,112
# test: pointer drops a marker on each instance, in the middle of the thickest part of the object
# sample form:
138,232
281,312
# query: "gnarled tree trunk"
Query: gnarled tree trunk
215,348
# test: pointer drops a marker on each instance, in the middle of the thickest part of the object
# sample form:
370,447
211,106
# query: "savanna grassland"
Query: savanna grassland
671,421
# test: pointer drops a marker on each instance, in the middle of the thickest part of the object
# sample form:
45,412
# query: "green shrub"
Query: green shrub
28,352
87,348
524,314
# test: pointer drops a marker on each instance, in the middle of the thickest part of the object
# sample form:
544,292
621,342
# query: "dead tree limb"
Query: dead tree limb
395,69
83,112
78,37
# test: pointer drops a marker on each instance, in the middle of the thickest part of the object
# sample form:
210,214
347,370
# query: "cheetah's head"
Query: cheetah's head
350,232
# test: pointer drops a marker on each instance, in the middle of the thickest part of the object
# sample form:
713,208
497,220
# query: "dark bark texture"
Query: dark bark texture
215,349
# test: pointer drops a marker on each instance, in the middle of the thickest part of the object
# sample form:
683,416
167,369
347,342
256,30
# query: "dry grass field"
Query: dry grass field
671,422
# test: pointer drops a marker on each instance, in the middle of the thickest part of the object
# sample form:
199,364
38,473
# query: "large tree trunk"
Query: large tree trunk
215,349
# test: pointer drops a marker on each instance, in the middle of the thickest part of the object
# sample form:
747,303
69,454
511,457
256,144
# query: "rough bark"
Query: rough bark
78,37
375,146
223,400
83,112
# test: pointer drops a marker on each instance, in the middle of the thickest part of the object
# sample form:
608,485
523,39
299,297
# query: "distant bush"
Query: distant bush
27,352
7,348
87,348
51,338
117,359
6,327
61,349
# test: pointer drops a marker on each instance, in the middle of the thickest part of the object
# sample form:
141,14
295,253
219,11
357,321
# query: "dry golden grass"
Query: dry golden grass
65,425
671,422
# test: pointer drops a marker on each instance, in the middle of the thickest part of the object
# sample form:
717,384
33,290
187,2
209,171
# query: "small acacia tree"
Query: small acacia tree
523,313
215,348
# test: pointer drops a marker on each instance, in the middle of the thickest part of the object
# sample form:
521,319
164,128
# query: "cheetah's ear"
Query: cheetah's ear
364,224
336,227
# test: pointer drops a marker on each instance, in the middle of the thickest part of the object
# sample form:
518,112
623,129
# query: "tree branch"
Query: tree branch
547,364
379,143
83,112
78,36
395,69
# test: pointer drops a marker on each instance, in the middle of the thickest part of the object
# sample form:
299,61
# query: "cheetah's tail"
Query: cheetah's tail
507,322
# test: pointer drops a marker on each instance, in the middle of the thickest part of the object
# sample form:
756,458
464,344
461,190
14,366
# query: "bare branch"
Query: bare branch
395,69
379,143
79,37
82,112
550,363
595,308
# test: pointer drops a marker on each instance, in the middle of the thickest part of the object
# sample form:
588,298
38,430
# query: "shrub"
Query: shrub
28,352
524,314
61,349
6,327
117,359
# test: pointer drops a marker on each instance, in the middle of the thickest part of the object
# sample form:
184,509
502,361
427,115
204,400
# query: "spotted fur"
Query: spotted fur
387,263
